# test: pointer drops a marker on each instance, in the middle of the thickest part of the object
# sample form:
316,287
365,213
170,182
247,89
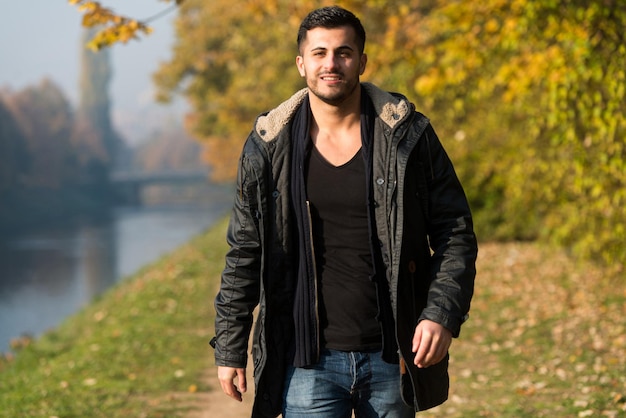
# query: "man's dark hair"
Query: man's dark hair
330,18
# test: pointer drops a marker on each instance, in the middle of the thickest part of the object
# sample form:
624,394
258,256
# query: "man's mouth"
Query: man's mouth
331,78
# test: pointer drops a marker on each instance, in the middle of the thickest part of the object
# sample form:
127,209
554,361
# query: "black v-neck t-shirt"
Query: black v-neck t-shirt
348,305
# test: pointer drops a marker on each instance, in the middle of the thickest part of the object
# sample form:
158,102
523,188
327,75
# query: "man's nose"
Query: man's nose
331,61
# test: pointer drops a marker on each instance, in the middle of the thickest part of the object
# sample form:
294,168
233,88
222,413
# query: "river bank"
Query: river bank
50,270
545,339
126,352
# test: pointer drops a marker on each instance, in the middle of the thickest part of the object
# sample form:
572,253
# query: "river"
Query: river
50,272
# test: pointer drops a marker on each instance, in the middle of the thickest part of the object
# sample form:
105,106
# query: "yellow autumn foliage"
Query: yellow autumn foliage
528,97
113,28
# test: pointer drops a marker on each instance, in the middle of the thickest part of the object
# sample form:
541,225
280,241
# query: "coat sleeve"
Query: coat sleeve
240,282
452,240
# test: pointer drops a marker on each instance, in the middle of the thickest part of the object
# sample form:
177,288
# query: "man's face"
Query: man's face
330,62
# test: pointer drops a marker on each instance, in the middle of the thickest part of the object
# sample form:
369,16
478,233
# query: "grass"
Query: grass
546,338
124,354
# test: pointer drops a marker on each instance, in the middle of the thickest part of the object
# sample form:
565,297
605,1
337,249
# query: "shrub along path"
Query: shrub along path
546,338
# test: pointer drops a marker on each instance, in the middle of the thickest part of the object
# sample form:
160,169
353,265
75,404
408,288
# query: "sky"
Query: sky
42,39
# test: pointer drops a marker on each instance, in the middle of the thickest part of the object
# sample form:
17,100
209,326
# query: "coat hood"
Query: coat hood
390,108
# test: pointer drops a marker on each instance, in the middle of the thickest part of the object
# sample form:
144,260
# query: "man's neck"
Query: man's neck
330,117
336,129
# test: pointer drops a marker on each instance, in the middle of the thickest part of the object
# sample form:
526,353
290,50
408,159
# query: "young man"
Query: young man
352,233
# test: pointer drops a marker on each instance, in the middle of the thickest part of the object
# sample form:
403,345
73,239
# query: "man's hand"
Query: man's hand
430,343
226,376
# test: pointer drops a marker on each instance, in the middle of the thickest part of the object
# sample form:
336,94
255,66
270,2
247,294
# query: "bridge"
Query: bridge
128,185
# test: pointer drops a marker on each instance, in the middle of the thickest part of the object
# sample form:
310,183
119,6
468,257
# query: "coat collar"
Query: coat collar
391,109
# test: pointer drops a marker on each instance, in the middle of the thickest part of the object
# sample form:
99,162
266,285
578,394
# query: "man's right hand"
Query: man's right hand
226,376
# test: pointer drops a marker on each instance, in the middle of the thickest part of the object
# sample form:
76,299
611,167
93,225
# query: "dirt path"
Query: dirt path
215,404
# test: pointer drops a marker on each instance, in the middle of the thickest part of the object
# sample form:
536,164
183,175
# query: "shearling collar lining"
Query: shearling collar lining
391,110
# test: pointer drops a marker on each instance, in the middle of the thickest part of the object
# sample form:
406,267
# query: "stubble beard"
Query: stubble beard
335,96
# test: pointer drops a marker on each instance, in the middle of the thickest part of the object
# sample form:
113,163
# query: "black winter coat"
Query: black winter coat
423,222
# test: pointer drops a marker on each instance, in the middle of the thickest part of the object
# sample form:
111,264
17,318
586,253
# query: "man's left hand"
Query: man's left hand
430,343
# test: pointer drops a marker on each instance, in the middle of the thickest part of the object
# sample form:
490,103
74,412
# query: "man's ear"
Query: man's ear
363,64
300,65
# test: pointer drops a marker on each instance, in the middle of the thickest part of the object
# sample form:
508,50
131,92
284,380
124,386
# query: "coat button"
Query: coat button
380,181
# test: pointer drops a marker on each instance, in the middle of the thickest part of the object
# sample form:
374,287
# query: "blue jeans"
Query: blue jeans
342,382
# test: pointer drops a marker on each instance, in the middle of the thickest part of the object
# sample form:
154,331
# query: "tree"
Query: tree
13,151
554,74
233,67
41,176
169,148
218,63
94,133
45,119
113,27
528,97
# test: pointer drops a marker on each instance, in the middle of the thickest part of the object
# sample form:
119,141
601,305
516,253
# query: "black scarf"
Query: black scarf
305,314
